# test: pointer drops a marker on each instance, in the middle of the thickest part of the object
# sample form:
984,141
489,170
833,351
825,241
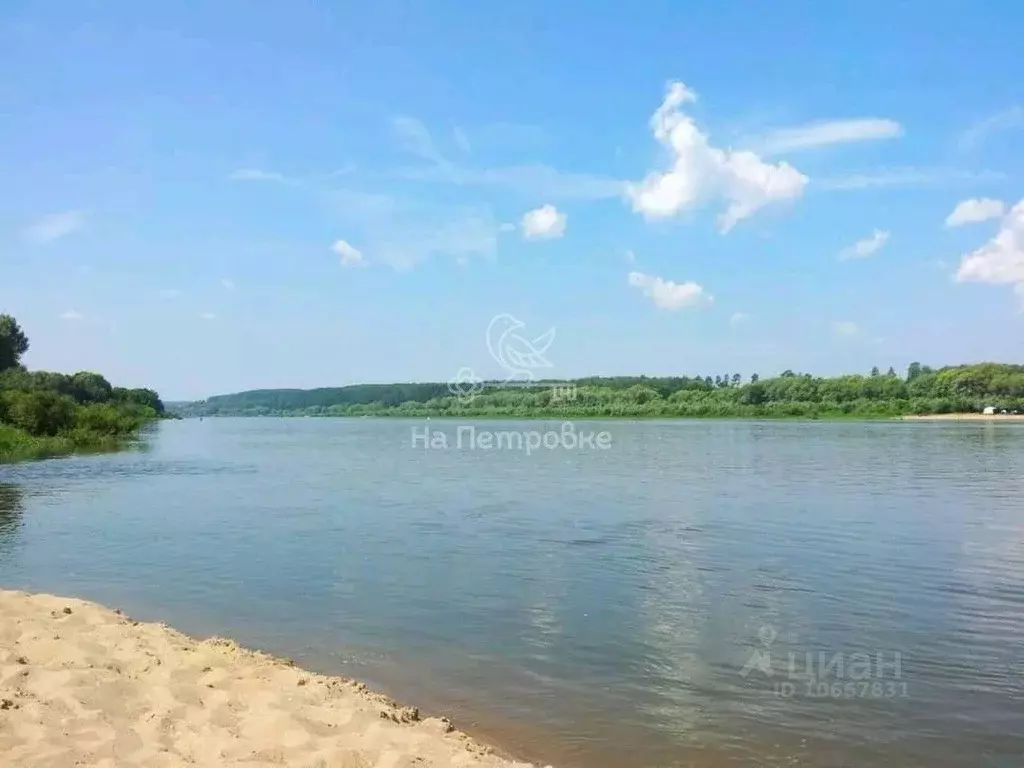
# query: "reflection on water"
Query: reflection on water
12,509
587,609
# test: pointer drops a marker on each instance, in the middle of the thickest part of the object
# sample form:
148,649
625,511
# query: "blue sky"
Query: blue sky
207,197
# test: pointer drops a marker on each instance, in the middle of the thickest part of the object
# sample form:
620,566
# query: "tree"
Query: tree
735,379
718,381
787,374
891,373
754,378
913,371
875,372
13,342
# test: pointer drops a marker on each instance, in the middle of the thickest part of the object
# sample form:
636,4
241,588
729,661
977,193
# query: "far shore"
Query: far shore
966,417
81,684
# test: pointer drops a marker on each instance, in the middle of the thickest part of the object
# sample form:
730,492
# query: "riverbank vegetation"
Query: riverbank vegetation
50,414
922,390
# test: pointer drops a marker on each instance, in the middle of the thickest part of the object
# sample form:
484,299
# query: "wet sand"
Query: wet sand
81,684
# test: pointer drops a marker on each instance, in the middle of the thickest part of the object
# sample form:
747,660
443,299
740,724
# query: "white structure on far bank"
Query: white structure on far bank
990,410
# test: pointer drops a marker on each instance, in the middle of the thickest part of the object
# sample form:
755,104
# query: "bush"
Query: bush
38,413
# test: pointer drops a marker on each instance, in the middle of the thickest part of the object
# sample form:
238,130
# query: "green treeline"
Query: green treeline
49,414
955,389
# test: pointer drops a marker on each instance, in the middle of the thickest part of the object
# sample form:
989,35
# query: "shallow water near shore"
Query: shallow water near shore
700,593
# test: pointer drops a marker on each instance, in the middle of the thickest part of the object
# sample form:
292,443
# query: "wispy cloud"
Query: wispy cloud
975,210
669,295
738,318
70,315
536,180
906,177
975,136
828,132
170,293
255,174
866,247
207,316
700,171
53,227
846,328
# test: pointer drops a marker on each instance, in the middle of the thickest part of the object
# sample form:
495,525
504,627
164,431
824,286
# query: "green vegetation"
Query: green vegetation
958,389
51,414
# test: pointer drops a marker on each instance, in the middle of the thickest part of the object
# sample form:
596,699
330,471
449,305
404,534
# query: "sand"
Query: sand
83,685
966,417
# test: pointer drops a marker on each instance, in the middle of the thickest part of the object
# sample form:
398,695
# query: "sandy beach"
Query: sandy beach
81,684
1008,417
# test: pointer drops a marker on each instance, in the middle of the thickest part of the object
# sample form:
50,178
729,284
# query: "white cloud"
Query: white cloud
701,171
70,315
545,222
255,174
906,177
1001,260
170,293
631,257
207,316
846,328
229,285
1003,121
54,227
669,295
350,256
738,318
824,133
975,210
507,227
866,247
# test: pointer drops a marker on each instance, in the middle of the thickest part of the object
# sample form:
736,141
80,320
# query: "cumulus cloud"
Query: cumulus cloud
975,210
1001,260
670,295
544,223
846,328
828,132
700,171
866,247
349,255
53,227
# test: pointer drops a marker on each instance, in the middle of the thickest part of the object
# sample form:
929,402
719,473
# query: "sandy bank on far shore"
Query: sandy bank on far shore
84,685
965,417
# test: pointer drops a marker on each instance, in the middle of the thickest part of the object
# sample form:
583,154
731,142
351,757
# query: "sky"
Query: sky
210,197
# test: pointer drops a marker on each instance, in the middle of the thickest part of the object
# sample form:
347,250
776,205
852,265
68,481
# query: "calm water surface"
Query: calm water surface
674,600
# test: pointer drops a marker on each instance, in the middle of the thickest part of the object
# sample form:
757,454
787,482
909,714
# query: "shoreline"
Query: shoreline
1008,417
82,682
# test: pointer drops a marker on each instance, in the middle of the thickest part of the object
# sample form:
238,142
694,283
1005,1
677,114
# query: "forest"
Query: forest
49,414
920,390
